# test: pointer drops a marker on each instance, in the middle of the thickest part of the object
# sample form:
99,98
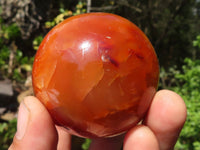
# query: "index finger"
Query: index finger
166,117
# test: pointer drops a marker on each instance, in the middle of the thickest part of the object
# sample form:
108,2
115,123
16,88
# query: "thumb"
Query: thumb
35,129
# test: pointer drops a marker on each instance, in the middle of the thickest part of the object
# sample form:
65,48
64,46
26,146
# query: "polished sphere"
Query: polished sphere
96,74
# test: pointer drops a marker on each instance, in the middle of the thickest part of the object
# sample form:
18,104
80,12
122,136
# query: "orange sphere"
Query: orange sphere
96,74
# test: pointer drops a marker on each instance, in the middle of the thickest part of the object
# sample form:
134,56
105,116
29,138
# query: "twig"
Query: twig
89,3
103,8
125,3
13,49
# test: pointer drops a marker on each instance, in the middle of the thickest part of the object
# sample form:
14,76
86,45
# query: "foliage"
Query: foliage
86,144
186,82
196,42
7,131
167,79
189,89
64,13
21,63
12,61
188,86
4,57
9,31
37,41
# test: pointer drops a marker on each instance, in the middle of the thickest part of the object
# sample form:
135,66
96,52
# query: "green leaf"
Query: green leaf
86,144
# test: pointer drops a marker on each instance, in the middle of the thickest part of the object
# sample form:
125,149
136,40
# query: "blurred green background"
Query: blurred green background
173,27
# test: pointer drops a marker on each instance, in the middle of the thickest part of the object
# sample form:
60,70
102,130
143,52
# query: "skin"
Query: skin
159,130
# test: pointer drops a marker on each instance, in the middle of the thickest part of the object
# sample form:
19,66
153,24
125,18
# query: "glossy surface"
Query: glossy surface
96,74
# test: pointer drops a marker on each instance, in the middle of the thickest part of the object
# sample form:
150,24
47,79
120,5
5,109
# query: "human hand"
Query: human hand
159,130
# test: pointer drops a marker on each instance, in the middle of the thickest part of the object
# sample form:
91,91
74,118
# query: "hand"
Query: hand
159,130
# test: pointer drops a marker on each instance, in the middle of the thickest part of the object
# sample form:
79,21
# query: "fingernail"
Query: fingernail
23,117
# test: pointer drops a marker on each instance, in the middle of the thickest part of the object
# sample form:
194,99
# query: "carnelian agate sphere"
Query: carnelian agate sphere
96,74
